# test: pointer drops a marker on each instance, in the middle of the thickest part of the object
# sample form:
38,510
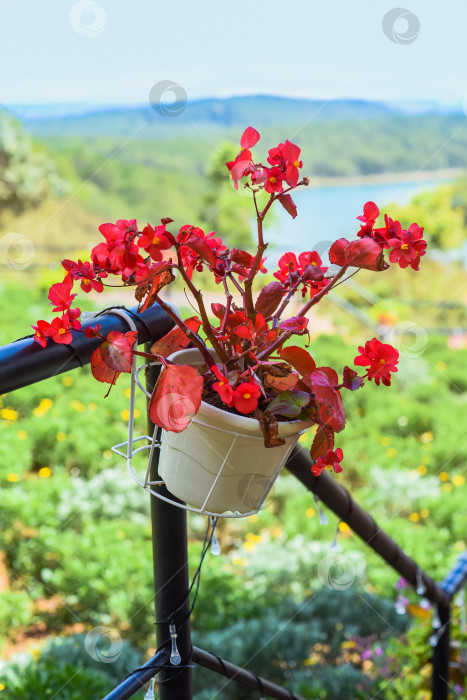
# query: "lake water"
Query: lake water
328,213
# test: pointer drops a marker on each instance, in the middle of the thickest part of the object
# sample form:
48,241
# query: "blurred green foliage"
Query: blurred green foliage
75,531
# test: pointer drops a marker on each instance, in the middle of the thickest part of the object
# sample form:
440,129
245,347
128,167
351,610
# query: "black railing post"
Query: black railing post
170,557
440,681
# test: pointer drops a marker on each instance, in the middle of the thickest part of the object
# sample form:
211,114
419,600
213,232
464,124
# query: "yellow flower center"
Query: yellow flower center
314,264
156,240
272,179
329,466
61,331
297,163
382,361
405,246
247,396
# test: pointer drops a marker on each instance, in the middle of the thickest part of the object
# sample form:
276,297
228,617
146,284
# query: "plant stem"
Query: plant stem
250,307
314,300
193,337
204,317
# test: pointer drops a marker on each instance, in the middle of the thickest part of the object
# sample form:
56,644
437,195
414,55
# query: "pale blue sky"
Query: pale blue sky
116,50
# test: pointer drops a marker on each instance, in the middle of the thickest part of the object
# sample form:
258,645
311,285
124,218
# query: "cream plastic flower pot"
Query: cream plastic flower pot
219,463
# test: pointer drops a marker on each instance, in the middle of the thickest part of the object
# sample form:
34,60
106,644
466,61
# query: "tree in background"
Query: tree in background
221,209
27,176
445,208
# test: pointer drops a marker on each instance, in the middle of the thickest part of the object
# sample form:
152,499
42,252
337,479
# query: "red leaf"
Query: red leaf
351,379
365,253
176,397
200,246
296,324
323,441
299,358
250,138
288,204
269,298
218,310
331,409
116,350
176,339
241,257
100,370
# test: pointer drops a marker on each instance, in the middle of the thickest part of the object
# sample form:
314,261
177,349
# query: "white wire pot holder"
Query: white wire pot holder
213,469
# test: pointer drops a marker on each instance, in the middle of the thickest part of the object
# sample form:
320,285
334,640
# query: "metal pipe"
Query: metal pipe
241,675
24,362
170,560
440,661
135,681
342,504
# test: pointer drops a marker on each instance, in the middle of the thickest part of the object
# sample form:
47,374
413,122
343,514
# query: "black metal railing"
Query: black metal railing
23,363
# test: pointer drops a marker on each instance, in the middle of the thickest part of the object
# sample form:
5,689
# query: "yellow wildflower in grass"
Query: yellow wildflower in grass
426,437
67,381
424,512
458,480
107,454
44,406
45,472
9,414
276,531
127,392
310,512
35,653
249,546
125,414
343,527
22,434
348,645
251,537
2,687
385,441
422,470
137,413
61,437
414,517
446,487
391,452
12,477
238,561
443,476
441,366
77,406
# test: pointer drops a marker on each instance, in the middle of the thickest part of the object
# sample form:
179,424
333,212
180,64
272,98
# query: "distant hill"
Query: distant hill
212,114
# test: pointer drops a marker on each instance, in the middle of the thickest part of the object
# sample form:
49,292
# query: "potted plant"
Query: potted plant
237,387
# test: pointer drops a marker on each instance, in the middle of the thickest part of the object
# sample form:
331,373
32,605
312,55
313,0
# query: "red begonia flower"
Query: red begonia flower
245,397
59,330
291,154
408,248
153,240
40,335
380,358
330,460
274,180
